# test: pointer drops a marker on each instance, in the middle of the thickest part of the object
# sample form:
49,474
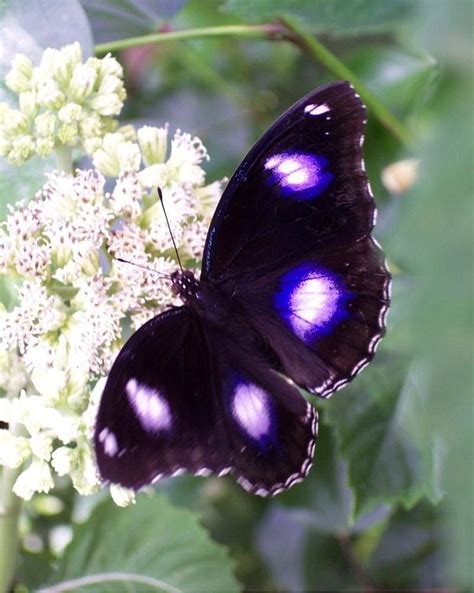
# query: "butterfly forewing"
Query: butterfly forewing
302,189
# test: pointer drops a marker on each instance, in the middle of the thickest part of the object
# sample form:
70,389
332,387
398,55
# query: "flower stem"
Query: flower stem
262,31
10,506
64,158
319,53
289,30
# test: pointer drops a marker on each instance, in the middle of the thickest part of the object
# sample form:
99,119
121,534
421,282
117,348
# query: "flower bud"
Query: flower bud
41,446
400,176
28,104
106,163
71,112
129,156
44,146
63,460
14,450
90,264
106,158
109,104
72,53
45,124
16,122
22,148
18,79
65,61
153,176
36,478
17,82
49,95
85,478
49,382
111,84
68,133
91,126
22,64
109,66
82,82
153,143
91,145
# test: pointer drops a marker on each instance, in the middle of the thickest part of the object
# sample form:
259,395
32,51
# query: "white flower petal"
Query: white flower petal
36,478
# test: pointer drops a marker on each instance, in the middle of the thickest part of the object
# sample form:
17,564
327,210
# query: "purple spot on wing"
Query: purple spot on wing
253,411
149,405
311,300
300,176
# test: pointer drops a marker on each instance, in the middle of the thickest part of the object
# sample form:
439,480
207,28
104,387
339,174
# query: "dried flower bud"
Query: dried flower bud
400,176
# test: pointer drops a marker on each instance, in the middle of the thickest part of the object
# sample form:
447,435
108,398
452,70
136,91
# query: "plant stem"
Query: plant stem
259,31
289,30
10,506
319,53
64,158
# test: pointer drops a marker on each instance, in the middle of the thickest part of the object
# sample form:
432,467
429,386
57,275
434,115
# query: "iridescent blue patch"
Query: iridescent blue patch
311,300
299,175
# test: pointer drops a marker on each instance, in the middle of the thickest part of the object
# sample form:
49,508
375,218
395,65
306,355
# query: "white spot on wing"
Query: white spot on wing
110,445
103,434
251,409
149,405
297,177
316,109
313,302
297,172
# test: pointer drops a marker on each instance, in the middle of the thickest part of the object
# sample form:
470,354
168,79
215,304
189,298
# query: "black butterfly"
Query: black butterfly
293,292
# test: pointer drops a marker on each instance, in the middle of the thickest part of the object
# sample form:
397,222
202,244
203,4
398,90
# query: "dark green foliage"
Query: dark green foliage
329,16
151,539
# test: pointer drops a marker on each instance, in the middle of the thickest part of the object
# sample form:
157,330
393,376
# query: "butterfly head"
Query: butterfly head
184,284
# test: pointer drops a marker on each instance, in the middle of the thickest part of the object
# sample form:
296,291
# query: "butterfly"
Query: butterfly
293,293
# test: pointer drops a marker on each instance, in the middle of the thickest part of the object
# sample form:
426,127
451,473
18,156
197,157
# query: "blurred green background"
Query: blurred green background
389,502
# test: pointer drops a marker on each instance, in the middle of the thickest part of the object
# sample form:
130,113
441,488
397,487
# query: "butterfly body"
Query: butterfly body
293,293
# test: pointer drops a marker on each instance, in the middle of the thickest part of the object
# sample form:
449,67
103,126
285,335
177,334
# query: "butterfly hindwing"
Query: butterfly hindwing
271,429
157,416
322,316
181,398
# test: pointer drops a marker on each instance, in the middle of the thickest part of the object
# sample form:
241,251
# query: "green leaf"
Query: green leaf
374,421
401,80
340,17
408,554
30,26
151,546
434,235
303,559
119,19
325,498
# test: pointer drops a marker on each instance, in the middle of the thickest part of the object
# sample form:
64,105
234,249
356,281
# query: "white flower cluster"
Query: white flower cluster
59,340
63,101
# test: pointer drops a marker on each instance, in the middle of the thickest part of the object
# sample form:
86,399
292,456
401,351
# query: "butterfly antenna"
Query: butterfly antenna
160,195
125,261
